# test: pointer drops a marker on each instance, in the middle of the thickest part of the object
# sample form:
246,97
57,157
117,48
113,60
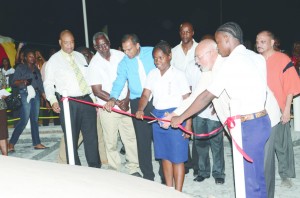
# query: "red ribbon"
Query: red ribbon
229,122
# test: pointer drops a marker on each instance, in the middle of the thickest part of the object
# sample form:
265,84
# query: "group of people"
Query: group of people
192,84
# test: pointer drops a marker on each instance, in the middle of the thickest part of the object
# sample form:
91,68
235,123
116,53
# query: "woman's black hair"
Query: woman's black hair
164,46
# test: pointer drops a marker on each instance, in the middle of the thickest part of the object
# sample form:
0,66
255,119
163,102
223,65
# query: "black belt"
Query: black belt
79,97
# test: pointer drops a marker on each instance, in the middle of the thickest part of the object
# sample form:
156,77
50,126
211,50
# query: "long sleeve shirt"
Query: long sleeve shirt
128,70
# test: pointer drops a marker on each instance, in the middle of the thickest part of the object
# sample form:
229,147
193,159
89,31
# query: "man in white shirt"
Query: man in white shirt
239,78
66,70
206,56
101,74
183,59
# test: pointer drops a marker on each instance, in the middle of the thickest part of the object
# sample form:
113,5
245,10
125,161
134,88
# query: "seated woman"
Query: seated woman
29,81
3,118
169,88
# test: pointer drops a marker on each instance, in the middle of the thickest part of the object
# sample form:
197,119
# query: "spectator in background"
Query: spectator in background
44,103
284,83
29,81
86,52
3,118
7,70
20,54
40,60
296,56
183,59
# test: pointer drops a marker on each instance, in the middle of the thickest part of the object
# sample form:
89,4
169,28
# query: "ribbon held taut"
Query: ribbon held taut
230,123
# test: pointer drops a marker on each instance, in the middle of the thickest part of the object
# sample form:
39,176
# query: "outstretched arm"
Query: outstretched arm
200,102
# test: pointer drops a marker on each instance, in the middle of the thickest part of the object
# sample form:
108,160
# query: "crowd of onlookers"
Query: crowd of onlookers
158,81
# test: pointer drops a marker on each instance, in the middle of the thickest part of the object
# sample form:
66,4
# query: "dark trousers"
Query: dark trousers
255,134
84,119
144,138
215,143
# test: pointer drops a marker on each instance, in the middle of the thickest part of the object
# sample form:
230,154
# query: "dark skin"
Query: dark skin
186,33
30,61
102,45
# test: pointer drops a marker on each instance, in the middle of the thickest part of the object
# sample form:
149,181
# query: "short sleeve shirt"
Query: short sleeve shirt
167,90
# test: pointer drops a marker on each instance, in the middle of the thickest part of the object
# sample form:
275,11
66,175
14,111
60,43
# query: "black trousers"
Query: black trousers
144,138
84,119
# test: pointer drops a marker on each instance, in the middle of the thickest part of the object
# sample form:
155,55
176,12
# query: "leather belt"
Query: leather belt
253,115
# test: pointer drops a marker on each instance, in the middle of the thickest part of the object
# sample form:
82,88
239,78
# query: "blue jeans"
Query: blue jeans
28,110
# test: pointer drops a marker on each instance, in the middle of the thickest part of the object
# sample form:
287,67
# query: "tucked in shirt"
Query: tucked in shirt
167,90
103,72
128,71
59,73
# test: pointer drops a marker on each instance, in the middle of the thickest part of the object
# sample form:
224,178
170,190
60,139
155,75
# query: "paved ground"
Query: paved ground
51,135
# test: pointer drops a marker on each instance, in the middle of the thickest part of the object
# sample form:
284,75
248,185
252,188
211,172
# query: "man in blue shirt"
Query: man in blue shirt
134,68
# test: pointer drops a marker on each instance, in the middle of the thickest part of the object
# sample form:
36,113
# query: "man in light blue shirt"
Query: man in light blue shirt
134,68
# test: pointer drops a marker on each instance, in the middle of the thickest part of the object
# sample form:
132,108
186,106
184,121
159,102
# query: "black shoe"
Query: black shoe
219,180
137,174
195,173
163,181
199,178
122,151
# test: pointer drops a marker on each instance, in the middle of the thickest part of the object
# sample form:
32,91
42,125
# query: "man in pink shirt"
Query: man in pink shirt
284,82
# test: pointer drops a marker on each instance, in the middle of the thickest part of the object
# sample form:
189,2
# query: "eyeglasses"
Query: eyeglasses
200,57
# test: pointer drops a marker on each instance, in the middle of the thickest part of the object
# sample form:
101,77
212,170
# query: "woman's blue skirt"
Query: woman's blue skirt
169,144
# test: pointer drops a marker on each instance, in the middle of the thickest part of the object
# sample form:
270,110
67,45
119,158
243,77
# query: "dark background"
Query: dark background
39,22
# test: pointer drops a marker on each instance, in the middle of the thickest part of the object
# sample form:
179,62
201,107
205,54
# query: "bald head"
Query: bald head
186,32
206,54
66,41
265,41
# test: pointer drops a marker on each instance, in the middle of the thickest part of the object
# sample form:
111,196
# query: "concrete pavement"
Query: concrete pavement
51,135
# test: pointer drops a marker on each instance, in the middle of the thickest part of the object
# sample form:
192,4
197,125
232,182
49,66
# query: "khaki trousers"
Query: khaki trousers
112,124
62,159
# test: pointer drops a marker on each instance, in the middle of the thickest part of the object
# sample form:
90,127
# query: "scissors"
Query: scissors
152,121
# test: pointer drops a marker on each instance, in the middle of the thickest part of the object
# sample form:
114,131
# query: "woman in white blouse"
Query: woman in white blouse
169,87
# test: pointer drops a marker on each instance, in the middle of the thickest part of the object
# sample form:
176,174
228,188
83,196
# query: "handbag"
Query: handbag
13,102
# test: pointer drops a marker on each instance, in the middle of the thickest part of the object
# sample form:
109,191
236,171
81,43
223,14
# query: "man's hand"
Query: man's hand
56,107
286,116
109,105
123,104
139,115
168,116
175,121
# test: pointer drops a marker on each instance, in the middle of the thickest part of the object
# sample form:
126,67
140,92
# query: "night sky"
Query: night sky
39,22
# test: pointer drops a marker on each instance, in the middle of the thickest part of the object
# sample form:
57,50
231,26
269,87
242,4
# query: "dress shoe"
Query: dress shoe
39,146
11,148
195,173
137,174
286,182
219,180
200,178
